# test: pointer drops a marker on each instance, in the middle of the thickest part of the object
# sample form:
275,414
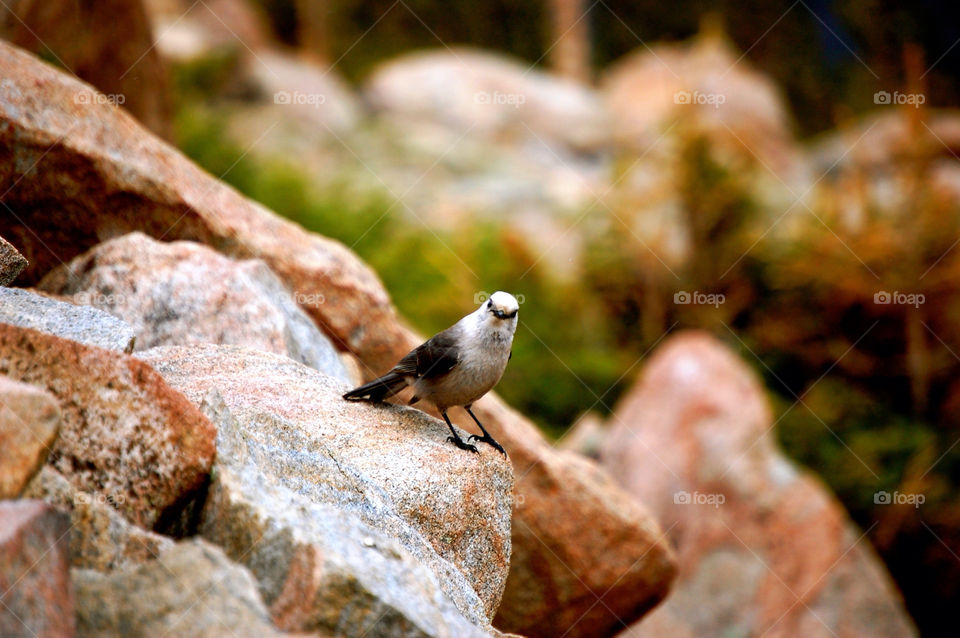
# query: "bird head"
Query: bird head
501,305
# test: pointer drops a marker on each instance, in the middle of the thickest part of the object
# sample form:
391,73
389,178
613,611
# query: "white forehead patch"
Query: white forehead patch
504,301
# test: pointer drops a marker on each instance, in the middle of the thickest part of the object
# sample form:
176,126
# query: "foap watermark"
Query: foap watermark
298,97
697,298
684,497
99,299
696,97
911,99
897,298
113,500
482,295
899,498
507,99
309,298
93,97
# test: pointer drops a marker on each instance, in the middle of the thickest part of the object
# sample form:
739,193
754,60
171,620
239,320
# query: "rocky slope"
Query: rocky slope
332,519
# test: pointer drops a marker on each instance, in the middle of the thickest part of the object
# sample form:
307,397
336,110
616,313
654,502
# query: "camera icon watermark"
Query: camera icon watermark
898,98
684,497
481,296
899,498
299,98
697,298
696,97
503,99
897,298
98,299
309,299
93,97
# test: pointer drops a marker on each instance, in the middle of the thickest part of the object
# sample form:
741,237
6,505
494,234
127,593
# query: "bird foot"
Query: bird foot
463,445
488,440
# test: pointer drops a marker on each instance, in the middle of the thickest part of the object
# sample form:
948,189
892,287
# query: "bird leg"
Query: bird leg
456,440
486,438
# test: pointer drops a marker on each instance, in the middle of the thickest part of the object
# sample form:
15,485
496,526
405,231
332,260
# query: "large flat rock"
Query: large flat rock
418,529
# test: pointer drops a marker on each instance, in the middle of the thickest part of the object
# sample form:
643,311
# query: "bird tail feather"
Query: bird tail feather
378,389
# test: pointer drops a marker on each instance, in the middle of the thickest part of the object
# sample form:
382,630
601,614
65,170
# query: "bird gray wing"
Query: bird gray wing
434,358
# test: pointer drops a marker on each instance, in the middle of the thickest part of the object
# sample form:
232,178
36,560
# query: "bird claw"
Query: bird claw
489,441
462,445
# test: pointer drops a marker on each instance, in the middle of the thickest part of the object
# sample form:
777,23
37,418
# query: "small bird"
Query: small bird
455,367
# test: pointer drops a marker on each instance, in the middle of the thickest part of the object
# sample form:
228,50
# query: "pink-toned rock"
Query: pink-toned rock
705,84
387,469
36,596
125,434
491,94
117,178
100,537
182,293
576,538
29,419
764,549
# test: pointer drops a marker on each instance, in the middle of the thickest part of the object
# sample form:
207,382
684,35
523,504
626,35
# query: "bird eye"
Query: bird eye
490,304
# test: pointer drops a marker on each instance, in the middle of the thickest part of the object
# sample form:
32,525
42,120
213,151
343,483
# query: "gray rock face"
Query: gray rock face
12,262
29,422
100,538
191,590
78,323
183,293
346,513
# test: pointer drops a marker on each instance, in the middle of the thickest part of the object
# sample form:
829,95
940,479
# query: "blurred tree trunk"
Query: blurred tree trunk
570,40
312,35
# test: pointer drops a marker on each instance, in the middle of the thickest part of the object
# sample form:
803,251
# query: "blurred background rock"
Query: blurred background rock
601,159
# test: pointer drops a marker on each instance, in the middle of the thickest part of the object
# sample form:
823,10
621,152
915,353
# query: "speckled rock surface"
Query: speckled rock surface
100,538
87,325
192,590
125,434
34,571
29,421
182,293
764,548
12,263
351,467
107,176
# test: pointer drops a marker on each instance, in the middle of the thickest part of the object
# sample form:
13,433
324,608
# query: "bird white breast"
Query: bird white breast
483,360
